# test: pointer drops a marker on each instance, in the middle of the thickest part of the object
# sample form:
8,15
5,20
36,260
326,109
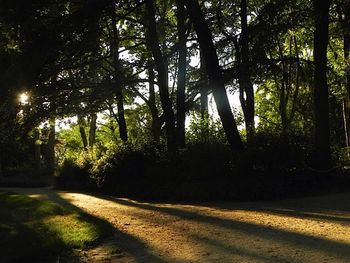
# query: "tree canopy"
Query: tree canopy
246,73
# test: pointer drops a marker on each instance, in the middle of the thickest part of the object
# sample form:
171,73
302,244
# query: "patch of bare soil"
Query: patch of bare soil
300,230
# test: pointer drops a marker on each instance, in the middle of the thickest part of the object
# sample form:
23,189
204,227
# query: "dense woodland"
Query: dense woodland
176,99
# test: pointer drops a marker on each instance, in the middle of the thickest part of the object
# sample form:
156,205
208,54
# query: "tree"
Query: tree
215,75
82,124
92,129
151,102
37,152
345,12
204,100
181,83
117,73
322,151
246,89
162,69
51,147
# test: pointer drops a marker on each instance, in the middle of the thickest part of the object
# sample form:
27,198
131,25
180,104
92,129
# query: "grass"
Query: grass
40,231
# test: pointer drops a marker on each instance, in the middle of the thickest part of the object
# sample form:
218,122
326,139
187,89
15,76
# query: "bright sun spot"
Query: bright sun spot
23,98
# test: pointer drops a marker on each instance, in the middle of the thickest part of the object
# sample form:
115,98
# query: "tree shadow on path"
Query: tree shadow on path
333,248
141,252
134,250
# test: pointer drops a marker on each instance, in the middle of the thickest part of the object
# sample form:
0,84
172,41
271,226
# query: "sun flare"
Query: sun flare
23,98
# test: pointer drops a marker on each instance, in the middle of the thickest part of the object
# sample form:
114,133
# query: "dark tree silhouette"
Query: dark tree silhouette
322,152
162,69
214,72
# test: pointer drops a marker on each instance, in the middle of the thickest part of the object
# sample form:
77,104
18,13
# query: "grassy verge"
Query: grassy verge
38,231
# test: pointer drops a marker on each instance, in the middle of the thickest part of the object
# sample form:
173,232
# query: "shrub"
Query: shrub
151,172
277,153
74,176
126,165
271,167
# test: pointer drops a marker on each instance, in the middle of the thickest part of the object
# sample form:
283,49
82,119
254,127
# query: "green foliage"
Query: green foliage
74,58
70,143
277,154
271,167
205,130
74,176
119,166
268,110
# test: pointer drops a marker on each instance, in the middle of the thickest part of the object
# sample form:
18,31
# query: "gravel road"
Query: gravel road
305,230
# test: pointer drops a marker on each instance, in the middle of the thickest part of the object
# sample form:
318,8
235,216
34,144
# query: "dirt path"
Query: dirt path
301,230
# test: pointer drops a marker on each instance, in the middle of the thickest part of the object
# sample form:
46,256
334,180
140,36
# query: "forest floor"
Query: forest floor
314,229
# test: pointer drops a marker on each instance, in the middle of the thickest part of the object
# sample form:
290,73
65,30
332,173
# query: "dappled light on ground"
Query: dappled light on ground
301,230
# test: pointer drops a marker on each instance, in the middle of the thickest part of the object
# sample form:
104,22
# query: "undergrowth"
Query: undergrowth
269,168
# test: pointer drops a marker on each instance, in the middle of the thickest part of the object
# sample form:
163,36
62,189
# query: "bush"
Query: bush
74,176
150,172
127,165
273,153
270,168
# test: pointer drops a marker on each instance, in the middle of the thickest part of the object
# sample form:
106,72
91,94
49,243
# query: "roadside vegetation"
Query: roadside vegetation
176,100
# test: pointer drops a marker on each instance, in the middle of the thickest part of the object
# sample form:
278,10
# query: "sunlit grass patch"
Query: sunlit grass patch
73,230
37,231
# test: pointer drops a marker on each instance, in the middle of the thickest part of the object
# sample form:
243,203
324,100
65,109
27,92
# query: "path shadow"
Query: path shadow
294,239
233,250
133,247
332,208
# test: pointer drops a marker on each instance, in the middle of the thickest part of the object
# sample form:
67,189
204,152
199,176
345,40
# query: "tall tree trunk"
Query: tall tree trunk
215,75
345,122
181,82
245,84
51,148
81,124
2,150
123,131
37,152
162,69
92,129
297,82
283,100
114,44
204,101
156,123
347,71
1,168
322,152
80,121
